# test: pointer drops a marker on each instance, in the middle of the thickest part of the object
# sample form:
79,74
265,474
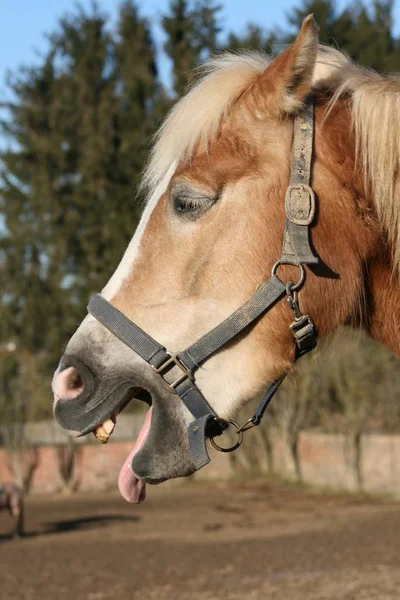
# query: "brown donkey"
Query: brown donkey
11,499
211,232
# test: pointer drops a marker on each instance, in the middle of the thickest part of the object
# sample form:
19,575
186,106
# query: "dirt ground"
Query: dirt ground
258,541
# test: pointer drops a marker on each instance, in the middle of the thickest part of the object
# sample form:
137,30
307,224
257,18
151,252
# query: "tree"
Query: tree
254,38
207,27
139,97
192,35
366,35
77,127
32,273
325,14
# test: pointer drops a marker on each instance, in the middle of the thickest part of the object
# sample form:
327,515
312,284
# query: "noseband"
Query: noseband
177,370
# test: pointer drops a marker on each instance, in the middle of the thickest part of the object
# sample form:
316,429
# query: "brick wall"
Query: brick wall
324,459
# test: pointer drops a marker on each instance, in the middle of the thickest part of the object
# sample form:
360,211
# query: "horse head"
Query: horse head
209,236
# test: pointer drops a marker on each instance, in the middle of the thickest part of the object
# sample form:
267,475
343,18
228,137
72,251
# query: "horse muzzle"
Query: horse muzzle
84,399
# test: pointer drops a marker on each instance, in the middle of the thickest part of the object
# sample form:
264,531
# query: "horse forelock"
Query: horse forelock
196,119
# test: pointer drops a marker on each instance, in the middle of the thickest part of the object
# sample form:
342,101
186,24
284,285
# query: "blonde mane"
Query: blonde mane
373,98
197,117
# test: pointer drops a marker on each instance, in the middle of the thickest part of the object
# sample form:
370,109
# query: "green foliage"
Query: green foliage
192,30
77,128
254,38
366,35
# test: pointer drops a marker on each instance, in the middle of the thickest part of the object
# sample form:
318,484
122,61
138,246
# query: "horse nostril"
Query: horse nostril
69,384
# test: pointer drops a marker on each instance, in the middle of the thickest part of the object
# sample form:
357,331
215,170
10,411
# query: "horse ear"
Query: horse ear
291,72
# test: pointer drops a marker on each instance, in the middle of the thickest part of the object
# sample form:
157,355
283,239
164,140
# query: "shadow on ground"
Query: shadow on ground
56,527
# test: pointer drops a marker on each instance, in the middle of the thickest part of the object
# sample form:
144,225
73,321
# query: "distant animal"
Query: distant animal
11,498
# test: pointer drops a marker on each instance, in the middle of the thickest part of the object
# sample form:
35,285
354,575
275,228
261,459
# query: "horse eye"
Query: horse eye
184,205
189,202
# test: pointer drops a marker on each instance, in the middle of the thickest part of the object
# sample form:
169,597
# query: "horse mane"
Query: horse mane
375,106
373,98
197,117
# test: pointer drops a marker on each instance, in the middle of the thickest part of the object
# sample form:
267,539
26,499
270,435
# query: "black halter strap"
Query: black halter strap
178,370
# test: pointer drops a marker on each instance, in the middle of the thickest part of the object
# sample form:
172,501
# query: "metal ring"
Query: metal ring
235,446
300,282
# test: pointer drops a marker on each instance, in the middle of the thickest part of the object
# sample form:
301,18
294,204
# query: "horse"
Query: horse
11,499
206,252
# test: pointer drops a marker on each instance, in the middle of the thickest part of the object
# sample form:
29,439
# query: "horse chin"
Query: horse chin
161,451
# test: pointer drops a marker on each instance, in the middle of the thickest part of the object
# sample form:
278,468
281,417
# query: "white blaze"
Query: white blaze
128,260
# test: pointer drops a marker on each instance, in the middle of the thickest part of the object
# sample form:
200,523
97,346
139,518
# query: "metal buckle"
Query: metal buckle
300,323
302,328
304,333
300,204
176,362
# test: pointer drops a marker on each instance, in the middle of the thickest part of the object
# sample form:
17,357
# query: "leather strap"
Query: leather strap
300,199
125,330
259,303
191,358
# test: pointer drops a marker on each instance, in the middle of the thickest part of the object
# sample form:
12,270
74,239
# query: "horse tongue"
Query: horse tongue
131,488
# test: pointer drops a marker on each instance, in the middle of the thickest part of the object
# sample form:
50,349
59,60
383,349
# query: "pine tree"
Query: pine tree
254,38
192,35
207,27
138,97
325,14
373,45
84,47
32,279
365,35
180,45
76,130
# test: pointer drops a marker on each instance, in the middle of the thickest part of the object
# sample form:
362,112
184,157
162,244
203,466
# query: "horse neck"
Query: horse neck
383,299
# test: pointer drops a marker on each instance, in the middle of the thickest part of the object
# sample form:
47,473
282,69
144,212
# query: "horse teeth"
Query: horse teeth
102,432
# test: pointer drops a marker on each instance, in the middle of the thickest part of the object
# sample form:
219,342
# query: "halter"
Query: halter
178,369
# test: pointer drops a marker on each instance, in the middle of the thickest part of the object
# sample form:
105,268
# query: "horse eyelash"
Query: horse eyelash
191,206
193,203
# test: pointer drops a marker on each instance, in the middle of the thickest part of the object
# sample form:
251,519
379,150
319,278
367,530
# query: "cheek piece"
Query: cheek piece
177,370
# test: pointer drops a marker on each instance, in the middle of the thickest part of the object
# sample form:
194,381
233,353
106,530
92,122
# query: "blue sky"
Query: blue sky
24,22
